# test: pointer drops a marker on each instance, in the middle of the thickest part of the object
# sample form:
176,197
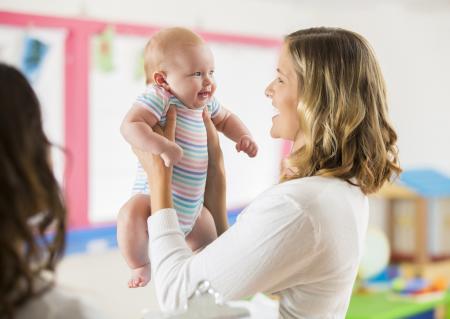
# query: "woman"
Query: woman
302,238
32,212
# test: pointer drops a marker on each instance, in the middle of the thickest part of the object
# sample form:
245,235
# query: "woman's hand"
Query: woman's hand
215,191
159,176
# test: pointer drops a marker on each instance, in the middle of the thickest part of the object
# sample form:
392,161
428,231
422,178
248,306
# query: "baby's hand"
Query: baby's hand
172,155
248,145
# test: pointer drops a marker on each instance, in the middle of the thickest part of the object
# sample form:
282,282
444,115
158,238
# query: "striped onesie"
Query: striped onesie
189,175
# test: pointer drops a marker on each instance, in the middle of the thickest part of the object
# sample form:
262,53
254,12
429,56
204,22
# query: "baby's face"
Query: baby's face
190,75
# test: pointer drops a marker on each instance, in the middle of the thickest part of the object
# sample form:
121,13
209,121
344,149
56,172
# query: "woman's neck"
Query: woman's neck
299,141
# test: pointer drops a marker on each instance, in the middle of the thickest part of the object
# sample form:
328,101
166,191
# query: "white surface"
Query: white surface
49,85
112,163
376,253
409,37
104,277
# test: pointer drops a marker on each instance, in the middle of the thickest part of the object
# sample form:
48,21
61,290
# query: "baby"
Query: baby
179,68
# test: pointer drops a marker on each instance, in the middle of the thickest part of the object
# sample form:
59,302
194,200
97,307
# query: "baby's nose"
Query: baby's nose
207,80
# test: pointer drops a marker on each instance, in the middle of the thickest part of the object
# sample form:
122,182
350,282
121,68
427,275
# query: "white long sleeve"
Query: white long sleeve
301,239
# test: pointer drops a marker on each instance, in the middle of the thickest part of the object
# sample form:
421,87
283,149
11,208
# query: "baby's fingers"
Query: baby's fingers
245,144
253,150
240,146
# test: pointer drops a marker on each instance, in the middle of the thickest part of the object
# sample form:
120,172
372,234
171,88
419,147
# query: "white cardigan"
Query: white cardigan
301,239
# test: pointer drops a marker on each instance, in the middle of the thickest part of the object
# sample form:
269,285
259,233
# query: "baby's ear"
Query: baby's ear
160,79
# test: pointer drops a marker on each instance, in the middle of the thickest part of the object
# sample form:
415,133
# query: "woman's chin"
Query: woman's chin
273,133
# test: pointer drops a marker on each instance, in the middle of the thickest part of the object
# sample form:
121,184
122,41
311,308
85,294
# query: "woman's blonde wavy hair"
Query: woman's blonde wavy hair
342,110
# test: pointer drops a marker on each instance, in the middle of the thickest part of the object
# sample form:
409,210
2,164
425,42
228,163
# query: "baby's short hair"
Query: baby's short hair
162,43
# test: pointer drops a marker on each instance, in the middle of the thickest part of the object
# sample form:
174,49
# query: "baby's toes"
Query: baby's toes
131,283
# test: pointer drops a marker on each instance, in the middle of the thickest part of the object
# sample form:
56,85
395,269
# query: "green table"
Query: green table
381,306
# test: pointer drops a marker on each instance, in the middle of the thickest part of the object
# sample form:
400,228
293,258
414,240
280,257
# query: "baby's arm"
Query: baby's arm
136,128
233,128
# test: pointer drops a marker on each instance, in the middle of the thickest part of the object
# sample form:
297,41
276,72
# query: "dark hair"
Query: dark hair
29,246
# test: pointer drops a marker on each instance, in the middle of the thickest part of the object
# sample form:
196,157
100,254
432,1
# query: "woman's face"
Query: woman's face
283,91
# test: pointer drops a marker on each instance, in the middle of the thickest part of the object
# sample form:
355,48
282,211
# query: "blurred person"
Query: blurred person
301,239
32,212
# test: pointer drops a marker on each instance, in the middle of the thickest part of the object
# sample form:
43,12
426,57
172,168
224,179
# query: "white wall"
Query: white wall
411,39
49,85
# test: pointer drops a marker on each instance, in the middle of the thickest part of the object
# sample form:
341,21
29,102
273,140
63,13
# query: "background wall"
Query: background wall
410,38
97,92
49,87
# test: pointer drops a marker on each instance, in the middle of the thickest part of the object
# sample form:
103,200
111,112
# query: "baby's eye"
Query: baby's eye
211,72
197,74
279,80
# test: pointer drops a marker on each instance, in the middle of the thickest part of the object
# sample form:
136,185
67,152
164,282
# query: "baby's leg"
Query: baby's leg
132,237
203,232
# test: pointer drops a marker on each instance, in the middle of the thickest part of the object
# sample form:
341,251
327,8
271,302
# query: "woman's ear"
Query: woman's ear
160,79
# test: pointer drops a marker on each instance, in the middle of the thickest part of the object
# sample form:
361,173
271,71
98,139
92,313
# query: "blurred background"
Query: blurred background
84,59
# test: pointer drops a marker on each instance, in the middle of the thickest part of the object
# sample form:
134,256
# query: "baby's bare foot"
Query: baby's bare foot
139,276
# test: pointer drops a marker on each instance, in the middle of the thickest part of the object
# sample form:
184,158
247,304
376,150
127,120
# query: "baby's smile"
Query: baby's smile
204,94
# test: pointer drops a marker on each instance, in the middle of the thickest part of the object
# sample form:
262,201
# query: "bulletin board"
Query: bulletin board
84,103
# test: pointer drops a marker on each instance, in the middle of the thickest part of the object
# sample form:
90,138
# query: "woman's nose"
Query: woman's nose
268,92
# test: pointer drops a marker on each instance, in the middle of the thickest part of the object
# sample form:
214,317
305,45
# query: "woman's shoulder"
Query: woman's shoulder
306,189
305,196
311,193
287,197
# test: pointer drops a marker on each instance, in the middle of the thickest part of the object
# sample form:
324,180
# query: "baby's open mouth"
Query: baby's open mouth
204,94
